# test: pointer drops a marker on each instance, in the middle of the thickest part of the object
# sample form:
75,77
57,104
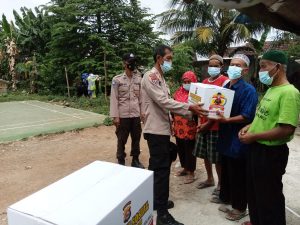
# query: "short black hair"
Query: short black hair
160,50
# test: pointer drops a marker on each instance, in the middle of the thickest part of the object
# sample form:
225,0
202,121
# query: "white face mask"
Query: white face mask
186,87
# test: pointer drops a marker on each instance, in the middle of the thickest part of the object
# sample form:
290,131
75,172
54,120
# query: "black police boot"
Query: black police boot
166,219
121,162
170,205
136,163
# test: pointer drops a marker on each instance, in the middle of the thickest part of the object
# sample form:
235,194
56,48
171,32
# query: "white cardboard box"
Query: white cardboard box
101,193
215,98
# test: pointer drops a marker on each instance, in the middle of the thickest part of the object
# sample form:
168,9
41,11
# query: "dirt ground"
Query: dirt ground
28,166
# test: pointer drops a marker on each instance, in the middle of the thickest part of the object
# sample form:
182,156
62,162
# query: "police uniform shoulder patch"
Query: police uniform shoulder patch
115,81
116,78
154,78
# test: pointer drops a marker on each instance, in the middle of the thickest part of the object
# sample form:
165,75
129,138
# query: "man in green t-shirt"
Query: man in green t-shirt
274,125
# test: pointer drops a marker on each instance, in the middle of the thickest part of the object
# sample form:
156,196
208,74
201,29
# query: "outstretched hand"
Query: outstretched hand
198,109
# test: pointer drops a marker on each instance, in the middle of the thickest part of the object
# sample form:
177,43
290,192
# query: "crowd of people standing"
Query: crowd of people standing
249,149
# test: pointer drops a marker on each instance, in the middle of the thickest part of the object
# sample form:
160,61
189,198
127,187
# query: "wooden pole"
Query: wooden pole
100,85
67,79
105,75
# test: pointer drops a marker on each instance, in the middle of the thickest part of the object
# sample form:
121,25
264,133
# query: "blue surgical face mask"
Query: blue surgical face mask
265,78
234,72
214,71
166,66
187,87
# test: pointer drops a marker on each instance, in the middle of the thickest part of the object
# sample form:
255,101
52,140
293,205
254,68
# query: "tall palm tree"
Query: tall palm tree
258,44
213,29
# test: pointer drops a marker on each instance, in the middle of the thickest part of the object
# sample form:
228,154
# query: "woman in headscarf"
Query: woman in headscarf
185,131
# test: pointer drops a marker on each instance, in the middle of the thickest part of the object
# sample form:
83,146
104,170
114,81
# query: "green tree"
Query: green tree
294,51
213,29
86,31
33,30
288,40
182,62
10,48
81,35
259,44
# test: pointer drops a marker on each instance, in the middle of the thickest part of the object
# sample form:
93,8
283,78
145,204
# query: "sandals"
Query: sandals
216,200
247,223
223,208
233,215
205,184
189,179
181,173
216,192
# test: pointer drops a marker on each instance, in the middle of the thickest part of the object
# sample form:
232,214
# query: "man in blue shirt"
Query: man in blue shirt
233,176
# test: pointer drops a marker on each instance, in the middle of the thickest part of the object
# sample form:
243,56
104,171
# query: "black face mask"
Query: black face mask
131,66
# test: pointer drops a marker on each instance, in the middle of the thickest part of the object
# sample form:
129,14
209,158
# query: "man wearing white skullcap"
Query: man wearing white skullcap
233,162
243,58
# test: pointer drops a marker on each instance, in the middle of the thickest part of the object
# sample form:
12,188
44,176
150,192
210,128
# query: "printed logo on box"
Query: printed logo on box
218,102
127,212
137,219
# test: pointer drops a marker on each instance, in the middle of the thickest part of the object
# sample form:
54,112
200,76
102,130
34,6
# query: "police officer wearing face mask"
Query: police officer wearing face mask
233,151
126,110
157,130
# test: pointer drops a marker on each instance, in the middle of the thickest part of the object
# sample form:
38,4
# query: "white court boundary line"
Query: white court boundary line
59,106
41,124
49,120
51,110
293,212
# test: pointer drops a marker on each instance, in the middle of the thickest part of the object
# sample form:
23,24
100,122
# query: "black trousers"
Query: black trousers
185,152
133,127
233,182
266,166
159,163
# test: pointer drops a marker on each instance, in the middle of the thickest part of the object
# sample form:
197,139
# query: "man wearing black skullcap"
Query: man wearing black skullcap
274,125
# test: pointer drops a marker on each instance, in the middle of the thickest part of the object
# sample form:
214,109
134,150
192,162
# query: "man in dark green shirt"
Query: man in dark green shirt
274,125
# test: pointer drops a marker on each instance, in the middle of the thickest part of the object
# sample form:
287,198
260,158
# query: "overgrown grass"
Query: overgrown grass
98,105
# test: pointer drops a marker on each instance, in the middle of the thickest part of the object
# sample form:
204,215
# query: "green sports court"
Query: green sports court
25,119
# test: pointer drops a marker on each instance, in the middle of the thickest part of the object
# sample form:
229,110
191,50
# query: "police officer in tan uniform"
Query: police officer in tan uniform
125,109
158,105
